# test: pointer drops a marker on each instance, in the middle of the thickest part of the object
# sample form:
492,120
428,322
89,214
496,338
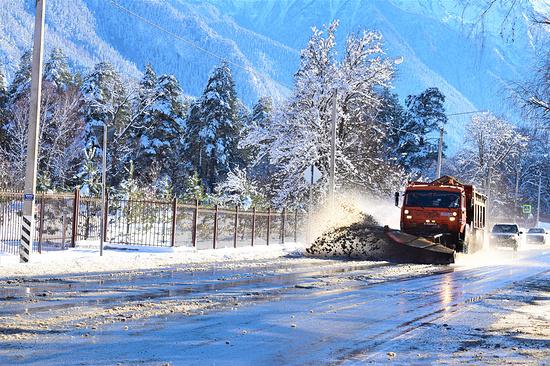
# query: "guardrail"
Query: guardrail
64,219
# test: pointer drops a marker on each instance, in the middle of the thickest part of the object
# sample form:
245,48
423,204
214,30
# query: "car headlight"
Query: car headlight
452,218
406,212
409,217
455,214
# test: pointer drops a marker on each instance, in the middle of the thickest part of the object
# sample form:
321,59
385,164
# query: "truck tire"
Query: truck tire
465,241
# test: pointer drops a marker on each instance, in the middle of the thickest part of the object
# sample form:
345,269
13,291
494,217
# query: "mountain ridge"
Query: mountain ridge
266,38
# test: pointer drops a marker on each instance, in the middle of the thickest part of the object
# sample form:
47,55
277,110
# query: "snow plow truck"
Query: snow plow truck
445,212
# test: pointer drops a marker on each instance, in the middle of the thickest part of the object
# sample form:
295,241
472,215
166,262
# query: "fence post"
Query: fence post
76,214
215,226
195,222
268,225
283,226
41,223
296,225
105,216
236,229
174,216
253,225
63,232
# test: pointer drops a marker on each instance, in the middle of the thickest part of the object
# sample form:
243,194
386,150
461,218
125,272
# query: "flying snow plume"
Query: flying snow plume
350,208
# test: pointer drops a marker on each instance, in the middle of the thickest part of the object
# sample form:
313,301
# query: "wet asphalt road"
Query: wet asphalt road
292,312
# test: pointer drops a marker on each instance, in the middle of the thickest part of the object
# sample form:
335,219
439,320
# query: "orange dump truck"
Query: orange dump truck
446,212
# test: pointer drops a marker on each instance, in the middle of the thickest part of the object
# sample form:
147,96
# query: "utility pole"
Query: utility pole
27,232
538,199
516,193
103,190
310,207
332,151
440,153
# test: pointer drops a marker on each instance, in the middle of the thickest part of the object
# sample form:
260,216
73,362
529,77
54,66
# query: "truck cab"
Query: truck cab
444,211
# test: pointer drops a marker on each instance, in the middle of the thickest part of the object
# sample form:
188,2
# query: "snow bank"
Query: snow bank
84,260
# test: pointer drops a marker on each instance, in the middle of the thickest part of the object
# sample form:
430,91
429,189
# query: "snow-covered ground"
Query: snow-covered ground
83,260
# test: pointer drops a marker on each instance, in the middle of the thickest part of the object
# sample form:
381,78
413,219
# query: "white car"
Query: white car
507,235
537,235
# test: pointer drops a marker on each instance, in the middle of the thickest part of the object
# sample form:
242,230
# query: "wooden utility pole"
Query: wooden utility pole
332,151
538,198
27,232
439,154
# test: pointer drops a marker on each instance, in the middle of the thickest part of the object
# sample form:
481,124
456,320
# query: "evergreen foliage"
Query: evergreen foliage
214,128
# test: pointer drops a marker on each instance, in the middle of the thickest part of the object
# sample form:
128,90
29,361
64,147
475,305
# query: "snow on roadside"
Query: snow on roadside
85,260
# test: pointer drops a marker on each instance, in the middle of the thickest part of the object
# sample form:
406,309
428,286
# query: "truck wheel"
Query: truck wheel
464,241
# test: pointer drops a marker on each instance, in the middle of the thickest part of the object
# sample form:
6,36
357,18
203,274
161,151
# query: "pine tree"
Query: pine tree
239,190
56,70
193,189
89,175
161,137
255,141
412,132
214,126
106,101
21,83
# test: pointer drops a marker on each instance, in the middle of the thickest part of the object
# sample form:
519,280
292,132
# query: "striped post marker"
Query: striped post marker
26,239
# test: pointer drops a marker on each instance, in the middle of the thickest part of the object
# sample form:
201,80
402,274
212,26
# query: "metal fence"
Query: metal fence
63,220
54,221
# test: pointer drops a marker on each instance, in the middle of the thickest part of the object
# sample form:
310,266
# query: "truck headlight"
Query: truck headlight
406,212
409,217
452,218
454,214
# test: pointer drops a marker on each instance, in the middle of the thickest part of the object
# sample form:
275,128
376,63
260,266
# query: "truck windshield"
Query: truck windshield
509,229
432,199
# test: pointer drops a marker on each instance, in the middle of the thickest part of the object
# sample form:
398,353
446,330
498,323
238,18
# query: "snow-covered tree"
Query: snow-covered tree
21,83
61,127
107,101
56,70
213,129
412,134
299,134
489,152
161,125
4,98
238,190
193,189
89,174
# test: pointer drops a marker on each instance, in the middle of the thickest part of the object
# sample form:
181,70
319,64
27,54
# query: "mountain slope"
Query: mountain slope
265,36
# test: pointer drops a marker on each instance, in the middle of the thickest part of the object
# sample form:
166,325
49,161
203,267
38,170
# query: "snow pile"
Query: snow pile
363,239
353,227
87,260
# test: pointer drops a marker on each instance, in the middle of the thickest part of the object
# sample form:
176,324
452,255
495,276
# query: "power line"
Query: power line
470,112
246,68
188,42
419,135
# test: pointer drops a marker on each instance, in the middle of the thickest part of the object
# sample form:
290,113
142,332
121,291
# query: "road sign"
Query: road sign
526,209
312,174
28,197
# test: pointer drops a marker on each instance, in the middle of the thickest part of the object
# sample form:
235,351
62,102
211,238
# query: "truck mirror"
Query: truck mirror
396,199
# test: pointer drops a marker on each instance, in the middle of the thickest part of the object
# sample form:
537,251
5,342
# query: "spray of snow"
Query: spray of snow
490,257
351,207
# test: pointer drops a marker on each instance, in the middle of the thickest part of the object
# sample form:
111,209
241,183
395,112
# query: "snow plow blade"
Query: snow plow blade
408,248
